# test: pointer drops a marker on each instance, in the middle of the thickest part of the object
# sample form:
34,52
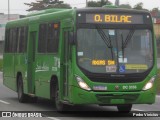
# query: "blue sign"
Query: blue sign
122,68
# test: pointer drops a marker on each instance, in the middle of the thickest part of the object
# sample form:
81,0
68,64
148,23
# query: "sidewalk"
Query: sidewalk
1,56
158,62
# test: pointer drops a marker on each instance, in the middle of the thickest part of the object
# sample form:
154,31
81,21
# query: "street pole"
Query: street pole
86,3
101,3
8,10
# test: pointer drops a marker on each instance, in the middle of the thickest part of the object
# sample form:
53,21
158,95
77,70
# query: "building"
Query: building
4,18
156,19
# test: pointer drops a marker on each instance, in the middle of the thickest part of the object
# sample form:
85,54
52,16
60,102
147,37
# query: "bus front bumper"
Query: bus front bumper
80,96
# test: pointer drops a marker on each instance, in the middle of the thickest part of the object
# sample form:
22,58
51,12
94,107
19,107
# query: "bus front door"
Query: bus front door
31,62
67,62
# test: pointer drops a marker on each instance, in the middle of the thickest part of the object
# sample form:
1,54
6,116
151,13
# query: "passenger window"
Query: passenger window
48,38
7,40
42,44
22,38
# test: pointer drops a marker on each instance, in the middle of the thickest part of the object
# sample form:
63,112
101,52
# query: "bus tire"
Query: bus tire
124,108
21,96
59,105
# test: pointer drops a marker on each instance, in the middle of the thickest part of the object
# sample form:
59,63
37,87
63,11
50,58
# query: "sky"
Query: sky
18,7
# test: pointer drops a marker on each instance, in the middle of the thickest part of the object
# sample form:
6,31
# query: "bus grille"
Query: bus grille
106,98
116,80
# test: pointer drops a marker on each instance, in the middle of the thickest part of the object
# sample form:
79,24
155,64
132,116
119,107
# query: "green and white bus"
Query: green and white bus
103,56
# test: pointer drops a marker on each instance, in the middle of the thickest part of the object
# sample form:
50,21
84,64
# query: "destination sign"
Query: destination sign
114,18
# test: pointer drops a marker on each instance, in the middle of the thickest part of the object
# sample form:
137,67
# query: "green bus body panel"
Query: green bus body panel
13,64
46,66
111,98
38,74
79,96
45,12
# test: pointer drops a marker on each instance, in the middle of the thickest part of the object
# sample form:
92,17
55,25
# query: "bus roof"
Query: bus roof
45,12
105,9
44,16
59,14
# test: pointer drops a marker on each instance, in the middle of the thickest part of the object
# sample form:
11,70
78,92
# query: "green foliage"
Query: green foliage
61,6
156,9
46,4
155,12
1,64
138,6
125,6
99,3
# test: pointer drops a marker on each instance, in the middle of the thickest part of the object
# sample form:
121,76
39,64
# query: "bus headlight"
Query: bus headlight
82,84
149,84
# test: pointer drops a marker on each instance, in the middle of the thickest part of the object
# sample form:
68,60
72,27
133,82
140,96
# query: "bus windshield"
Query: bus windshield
116,51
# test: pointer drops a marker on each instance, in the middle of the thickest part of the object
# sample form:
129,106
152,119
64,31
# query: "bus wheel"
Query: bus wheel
59,105
21,96
124,108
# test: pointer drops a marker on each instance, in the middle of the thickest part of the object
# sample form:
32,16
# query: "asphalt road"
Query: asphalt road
9,102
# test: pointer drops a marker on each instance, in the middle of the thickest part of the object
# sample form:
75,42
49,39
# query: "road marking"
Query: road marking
53,118
137,109
4,102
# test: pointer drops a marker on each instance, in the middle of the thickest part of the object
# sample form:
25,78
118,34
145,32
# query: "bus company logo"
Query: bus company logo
6,114
116,87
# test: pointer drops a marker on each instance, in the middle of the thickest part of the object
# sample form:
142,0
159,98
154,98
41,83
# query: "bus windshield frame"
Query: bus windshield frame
148,26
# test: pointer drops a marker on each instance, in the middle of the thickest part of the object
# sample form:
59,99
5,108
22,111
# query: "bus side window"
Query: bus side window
7,40
15,40
51,39
26,39
56,40
42,42
10,41
48,38
22,37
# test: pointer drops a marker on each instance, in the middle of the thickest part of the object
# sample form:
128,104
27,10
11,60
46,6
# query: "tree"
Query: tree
99,3
45,4
63,5
138,6
155,12
93,4
155,9
125,6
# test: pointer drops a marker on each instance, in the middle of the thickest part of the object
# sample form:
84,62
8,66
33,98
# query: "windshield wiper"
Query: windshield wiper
128,38
125,43
106,39
122,46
